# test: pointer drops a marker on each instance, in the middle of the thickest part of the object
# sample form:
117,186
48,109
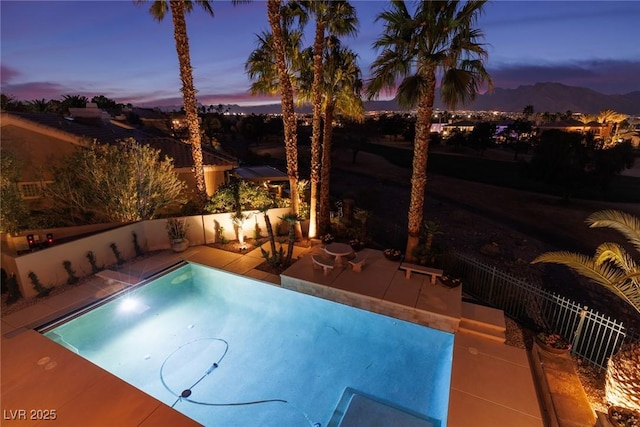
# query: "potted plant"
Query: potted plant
392,254
327,239
177,231
552,342
450,282
356,245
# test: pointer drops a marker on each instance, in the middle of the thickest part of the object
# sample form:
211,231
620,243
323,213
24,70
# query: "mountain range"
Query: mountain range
545,97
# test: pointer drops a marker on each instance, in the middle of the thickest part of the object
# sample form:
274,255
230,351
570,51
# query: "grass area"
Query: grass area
623,189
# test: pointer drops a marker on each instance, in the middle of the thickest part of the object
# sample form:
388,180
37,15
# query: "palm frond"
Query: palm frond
600,273
623,285
614,253
410,91
627,224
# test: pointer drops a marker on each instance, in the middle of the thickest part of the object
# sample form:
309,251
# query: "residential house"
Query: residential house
460,126
39,139
599,130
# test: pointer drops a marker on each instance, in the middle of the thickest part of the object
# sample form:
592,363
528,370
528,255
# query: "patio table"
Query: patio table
339,250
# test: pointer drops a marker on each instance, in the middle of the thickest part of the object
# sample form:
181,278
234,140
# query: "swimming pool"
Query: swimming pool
226,350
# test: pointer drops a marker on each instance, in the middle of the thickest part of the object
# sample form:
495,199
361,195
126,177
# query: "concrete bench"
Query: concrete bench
415,268
322,262
358,262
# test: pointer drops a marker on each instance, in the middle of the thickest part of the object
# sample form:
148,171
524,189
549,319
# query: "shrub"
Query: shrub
42,291
94,265
73,279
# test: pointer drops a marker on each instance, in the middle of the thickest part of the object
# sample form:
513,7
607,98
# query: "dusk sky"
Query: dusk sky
116,49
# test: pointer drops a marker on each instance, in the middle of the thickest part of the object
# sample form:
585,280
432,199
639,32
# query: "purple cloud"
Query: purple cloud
7,74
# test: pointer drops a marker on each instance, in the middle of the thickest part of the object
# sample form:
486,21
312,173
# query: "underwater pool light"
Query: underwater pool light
128,304
133,305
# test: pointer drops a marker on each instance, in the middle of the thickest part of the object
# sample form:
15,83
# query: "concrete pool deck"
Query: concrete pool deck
491,384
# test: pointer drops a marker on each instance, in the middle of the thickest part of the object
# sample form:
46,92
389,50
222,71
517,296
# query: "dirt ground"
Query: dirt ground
501,226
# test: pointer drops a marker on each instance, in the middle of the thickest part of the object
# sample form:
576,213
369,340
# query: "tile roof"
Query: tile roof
109,133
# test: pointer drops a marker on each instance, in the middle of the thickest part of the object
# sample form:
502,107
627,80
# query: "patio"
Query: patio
491,383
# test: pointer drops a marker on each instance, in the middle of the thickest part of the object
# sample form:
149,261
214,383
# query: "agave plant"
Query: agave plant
614,268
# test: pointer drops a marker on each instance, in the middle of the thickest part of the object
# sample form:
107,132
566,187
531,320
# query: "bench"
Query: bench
322,262
415,268
358,262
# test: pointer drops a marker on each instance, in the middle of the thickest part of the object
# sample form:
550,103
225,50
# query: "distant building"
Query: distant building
599,130
460,126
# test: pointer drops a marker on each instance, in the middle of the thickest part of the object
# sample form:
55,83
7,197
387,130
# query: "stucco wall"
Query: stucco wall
47,263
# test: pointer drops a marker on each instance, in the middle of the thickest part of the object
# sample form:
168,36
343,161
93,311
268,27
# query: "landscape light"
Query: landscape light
31,241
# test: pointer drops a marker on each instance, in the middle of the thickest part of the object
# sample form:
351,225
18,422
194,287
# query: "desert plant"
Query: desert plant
116,252
136,245
221,236
292,219
274,258
42,290
73,279
13,290
94,264
177,228
114,183
429,230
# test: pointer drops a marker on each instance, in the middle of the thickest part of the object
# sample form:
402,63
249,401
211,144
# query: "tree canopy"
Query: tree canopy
114,183
13,213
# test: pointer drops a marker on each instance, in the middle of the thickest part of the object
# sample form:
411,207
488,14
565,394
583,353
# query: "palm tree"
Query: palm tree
72,101
261,65
38,105
275,16
615,269
178,9
611,266
340,88
336,18
437,40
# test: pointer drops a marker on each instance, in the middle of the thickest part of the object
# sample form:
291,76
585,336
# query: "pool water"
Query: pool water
226,350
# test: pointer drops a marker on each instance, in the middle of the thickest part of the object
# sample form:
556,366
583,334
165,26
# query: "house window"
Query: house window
31,190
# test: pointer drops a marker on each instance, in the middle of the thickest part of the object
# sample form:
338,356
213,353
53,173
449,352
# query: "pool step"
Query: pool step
483,321
115,276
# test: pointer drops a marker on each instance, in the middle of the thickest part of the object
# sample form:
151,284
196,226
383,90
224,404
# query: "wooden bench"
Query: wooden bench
415,268
322,262
358,262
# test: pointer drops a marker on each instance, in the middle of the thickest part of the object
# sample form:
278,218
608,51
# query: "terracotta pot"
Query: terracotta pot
550,349
180,245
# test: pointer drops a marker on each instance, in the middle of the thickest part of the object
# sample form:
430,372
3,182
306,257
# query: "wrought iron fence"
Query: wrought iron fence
594,337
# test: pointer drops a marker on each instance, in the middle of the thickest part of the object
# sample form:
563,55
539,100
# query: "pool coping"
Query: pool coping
103,396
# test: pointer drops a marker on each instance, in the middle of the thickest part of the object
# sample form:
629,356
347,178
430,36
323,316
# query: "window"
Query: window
32,190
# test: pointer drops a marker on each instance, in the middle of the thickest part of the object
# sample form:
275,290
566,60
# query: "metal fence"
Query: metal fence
594,337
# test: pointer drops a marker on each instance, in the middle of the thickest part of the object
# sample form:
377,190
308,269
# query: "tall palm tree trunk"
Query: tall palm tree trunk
189,95
325,179
315,134
288,113
419,175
